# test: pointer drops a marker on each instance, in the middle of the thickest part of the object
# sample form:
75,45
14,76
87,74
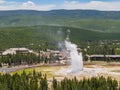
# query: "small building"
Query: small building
97,57
0,53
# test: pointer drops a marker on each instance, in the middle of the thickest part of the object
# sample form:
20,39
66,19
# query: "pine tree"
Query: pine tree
43,83
54,82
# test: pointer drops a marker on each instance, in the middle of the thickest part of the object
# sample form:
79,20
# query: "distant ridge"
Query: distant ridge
62,12
108,21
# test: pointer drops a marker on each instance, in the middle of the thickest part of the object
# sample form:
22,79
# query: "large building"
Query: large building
16,50
102,57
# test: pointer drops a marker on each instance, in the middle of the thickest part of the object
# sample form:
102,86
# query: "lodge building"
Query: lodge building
104,57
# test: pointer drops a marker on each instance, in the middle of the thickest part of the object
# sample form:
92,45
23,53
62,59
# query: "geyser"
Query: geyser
76,59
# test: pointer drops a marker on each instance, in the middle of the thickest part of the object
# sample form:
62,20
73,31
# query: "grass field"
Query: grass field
48,70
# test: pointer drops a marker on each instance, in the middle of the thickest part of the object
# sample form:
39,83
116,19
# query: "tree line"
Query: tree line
38,81
31,58
23,59
94,83
31,81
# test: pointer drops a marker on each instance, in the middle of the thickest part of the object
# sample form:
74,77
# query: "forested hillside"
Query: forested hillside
44,29
48,36
102,21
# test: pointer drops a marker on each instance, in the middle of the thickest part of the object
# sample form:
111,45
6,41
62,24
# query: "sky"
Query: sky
45,5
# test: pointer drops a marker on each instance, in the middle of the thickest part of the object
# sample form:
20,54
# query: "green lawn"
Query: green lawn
48,70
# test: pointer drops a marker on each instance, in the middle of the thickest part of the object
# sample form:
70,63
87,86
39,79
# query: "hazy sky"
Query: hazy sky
109,5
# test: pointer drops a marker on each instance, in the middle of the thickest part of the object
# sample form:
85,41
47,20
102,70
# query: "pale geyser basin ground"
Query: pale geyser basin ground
89,70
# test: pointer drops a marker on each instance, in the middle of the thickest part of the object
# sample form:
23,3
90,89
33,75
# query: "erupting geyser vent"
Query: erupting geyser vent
76,59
